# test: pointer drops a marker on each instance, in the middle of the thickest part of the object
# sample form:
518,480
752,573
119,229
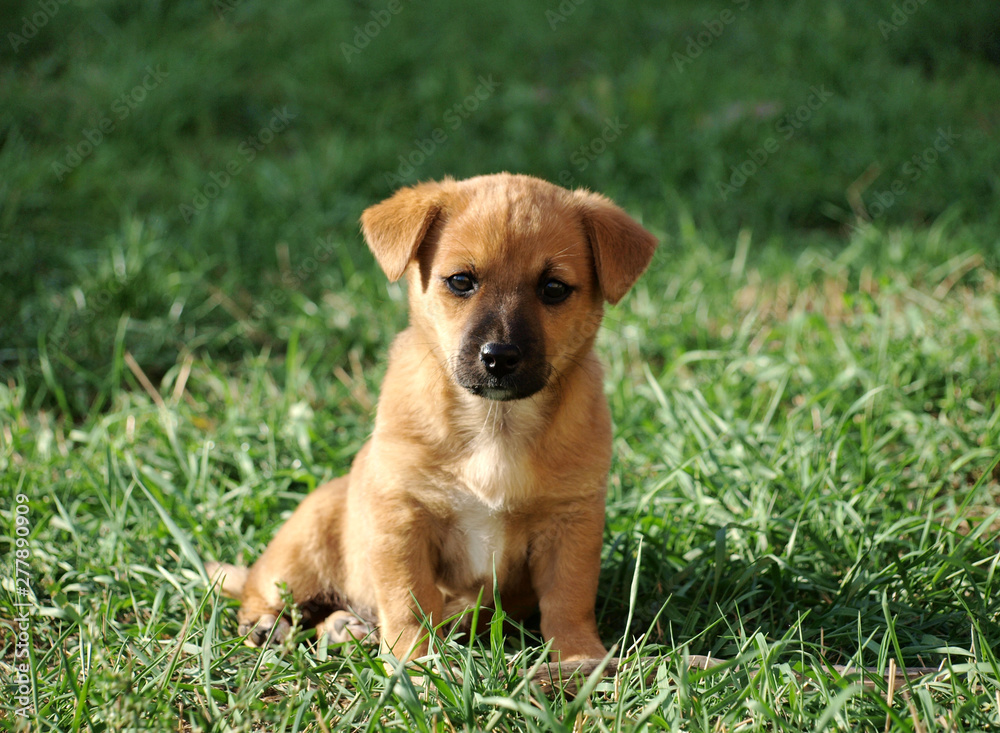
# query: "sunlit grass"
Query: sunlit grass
804,478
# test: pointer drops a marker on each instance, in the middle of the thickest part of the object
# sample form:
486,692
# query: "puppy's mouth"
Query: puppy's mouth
501,372
502,393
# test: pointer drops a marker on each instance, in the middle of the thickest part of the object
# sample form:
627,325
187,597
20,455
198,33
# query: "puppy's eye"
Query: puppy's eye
554,291
461,284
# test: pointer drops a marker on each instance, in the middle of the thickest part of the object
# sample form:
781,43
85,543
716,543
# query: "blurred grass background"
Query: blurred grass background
683,94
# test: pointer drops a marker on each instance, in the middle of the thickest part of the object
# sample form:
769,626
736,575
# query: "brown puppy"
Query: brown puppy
492,439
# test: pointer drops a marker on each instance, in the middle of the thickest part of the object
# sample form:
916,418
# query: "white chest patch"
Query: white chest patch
479,532
491,477
496,472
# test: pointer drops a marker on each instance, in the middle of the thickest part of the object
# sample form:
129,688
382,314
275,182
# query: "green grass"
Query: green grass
807,404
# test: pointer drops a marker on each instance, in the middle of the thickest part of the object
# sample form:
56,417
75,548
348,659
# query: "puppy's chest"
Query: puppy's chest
487,484
477,543
497,470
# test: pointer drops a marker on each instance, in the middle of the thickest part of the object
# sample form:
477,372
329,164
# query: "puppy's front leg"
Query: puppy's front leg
403,570
565,566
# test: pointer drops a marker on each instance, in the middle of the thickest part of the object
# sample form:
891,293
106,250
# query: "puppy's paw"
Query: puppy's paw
341,626
267,628
588,652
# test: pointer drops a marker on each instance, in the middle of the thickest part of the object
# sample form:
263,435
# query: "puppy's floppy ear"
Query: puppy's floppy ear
622,248
395,228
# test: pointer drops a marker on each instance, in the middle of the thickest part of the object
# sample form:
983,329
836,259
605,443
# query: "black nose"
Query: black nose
499,359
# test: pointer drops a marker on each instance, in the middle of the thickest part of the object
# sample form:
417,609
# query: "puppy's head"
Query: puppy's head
507,274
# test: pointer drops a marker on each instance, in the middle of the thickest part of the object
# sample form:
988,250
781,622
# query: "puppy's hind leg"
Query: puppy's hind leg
302,563
230,579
